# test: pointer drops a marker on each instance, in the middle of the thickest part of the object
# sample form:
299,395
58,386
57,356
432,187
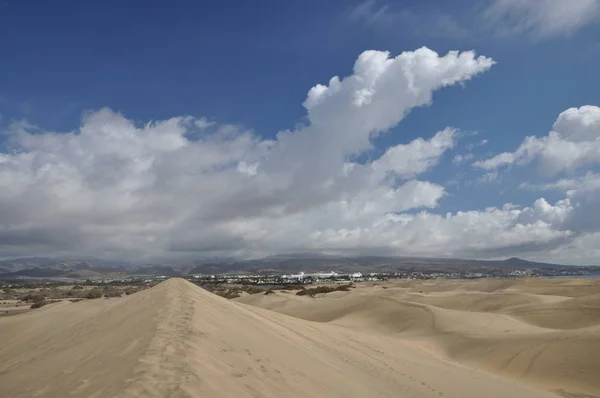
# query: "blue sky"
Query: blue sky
250,65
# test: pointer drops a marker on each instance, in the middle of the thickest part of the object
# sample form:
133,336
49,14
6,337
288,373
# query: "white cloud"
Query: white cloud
585,248
432,23
564,184
472,233
573,143
543,211
490,177
541,19
409,160
585,217
248,169
186,185
579,124
462,158
477,144
369,12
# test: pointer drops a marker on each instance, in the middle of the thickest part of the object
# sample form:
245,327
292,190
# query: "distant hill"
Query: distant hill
18,264
157,270
48,268
35,273
520,263
39,267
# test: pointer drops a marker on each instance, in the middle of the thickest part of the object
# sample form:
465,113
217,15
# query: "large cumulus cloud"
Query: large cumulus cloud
187,186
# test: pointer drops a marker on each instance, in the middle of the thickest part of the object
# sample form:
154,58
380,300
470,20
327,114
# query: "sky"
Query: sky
242,129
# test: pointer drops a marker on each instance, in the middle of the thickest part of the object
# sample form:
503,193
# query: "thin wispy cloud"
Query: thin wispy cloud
477,144
386,17
536,19
370,12
462,158
541,19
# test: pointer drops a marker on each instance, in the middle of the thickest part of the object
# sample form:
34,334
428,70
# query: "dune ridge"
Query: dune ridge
177,340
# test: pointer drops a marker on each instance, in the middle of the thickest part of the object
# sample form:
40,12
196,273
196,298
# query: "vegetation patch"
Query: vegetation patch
76,300
228,293
323,290
94,294
112,292
39,302
131,290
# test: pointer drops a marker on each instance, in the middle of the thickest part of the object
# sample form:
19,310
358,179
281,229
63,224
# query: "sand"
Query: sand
544,333
408,340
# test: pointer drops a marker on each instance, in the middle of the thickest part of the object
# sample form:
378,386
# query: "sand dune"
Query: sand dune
177,340
549,339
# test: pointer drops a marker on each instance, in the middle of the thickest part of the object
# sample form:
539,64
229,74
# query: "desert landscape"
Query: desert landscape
300,199
432,338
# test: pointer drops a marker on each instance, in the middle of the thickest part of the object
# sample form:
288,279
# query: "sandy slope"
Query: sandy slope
177,340
542,332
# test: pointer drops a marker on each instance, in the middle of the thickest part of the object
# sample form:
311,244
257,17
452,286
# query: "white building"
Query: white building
331,274
299,276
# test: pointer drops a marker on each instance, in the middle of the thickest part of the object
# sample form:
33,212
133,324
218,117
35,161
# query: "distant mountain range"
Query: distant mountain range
53,268
312,263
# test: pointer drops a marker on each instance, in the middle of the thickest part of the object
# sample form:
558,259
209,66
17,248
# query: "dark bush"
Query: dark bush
113,293
252,289
131,290
227,293
77,287
290,287
323,289
94,294
55,294
32,297
39,303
